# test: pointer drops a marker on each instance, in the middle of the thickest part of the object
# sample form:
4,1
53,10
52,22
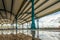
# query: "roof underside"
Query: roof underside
9,9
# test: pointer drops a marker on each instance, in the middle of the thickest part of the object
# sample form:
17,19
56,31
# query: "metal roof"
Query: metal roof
9,9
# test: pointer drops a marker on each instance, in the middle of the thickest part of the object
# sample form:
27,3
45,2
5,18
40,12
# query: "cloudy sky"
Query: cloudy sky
50,20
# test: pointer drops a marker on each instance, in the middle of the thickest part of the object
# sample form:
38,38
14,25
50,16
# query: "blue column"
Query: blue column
33,21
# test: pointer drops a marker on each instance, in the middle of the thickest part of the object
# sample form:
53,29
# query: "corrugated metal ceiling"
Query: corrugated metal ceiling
9,9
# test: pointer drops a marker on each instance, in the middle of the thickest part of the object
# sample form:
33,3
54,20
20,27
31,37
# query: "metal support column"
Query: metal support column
33,21
27,28
10,30
37,28
16,24
12,27
2,28
22,28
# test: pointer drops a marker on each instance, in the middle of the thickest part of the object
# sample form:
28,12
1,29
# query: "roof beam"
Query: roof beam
2,16
46,14
11,8
42,10
19,9
30,12
35,8
28,9
4,8
23,9
7,11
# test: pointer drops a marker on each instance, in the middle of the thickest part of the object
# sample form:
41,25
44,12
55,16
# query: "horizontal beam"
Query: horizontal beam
23,9
4,8
35,9
39,29
12,2
45,15
7,11
42,10
27,9
19,10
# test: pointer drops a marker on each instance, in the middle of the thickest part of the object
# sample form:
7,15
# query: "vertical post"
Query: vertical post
22,28
37,28
27,28
16,24
19,28
12,28
33,21
1,28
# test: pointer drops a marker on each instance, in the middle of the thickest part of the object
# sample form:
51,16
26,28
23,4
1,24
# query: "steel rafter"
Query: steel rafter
2,16
4,8
12,2
34,9
24,8
19,10
7,11
27,10
43,9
